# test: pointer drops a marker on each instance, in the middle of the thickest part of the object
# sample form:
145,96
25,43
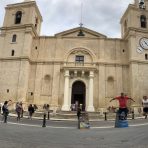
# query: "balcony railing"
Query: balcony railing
78,64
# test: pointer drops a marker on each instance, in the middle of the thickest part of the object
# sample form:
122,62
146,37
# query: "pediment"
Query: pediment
75,31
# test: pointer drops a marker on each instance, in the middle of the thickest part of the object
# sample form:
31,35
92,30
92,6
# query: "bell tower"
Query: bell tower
22,23
135,17
134,28
23,14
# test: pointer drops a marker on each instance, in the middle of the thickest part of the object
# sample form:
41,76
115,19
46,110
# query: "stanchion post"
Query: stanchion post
78,123
44,120
133,115
48,115
105,116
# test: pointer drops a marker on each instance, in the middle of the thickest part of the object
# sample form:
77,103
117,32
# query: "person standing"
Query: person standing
122,103
145,106
1,104
78,113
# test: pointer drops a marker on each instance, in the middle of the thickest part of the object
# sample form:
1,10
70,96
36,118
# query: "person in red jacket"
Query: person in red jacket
122,103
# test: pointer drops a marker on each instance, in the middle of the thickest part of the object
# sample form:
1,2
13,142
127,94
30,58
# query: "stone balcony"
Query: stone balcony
79,66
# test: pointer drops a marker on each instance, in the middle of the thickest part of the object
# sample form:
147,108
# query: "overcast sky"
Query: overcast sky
102,16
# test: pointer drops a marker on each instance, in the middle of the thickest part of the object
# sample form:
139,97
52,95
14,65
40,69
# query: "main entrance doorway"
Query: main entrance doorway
78,95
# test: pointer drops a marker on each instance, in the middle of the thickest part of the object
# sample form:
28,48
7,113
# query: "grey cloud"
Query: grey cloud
59,15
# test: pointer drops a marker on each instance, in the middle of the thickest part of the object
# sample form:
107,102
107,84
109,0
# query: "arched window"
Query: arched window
14,38
12,53
18,17
143,21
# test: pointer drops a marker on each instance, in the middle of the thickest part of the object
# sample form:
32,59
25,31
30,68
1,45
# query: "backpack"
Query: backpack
5,110
18,109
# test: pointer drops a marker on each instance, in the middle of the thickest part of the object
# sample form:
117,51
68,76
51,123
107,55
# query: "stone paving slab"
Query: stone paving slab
14,136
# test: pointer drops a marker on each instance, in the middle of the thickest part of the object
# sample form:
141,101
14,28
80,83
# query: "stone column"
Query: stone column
65,106
90,95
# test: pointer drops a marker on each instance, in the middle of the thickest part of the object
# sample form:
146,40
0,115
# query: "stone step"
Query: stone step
73,115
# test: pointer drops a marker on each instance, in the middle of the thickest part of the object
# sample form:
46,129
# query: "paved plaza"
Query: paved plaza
64,134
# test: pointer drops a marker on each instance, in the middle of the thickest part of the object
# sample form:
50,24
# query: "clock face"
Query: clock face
144,43
139,49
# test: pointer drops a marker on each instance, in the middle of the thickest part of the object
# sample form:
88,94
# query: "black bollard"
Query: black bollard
105,116
133,115
78,123
48,117
44,120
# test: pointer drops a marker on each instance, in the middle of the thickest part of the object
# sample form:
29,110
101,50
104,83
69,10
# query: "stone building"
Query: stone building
76,65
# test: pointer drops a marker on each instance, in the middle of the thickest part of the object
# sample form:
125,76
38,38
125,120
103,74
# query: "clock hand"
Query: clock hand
145,43
140,49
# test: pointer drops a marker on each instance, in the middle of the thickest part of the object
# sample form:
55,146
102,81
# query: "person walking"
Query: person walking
18,110
22,109
48,111
145,106
5,110
122,104
30,111
35,107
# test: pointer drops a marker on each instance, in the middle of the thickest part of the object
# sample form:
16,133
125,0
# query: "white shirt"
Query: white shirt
145,103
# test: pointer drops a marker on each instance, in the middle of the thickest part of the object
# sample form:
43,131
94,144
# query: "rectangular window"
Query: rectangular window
14,38
12,53
146,56
79,60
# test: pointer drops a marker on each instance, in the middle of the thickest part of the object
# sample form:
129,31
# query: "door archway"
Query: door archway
78,94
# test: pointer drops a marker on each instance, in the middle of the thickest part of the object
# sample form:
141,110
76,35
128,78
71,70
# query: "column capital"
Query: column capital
75,73
66,73
91,74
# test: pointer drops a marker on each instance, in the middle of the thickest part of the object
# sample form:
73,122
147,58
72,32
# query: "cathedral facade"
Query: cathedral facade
74,66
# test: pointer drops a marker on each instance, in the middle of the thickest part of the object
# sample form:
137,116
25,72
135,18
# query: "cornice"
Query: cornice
25,26
131,31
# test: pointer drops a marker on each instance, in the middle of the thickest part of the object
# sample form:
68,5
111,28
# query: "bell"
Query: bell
81,33
141,2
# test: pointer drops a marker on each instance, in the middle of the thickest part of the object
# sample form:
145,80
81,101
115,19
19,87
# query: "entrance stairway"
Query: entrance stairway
72,115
